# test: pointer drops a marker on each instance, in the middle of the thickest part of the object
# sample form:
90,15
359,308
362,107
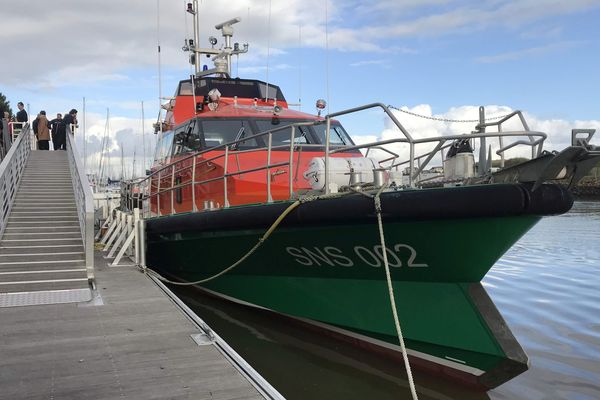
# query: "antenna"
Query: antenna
300,68
327,56
159,68
268,50
192,44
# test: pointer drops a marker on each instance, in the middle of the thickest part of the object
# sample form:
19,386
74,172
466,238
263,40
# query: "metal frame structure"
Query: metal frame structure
533,139
84,199
11,170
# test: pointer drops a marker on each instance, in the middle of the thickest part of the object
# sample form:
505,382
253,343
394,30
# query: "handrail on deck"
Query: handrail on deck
84,200
440,143
227,147
480,133
11,170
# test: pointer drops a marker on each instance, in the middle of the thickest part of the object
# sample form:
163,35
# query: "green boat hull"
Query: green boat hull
324,265
335,278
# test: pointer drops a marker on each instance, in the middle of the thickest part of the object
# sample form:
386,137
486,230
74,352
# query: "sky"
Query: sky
441,58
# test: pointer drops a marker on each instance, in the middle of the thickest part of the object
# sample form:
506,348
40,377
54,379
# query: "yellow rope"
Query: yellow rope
238,262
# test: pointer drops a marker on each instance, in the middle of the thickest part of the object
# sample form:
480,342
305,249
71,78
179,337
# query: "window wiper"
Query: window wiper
239,136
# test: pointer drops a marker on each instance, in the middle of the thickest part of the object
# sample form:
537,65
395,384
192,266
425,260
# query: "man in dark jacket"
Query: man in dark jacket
54,126
71,118
21,114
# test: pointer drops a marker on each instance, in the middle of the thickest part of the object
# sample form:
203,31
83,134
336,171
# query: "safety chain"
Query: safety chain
469,121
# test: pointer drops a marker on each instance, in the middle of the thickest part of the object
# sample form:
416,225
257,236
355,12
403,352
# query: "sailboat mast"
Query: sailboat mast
122,163
84,144
143,141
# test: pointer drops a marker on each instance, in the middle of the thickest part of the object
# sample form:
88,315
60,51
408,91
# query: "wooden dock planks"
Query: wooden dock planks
136,345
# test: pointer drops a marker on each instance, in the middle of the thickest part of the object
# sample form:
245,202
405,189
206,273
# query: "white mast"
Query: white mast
84,144
143,141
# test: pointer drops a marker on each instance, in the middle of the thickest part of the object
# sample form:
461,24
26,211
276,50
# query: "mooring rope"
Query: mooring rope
238,262
377,201
411,382
266,235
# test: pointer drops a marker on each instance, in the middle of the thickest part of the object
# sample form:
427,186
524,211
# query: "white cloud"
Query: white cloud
558,130
92,40
121,133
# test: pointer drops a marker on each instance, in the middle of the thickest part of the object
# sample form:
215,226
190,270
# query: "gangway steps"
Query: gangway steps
41,251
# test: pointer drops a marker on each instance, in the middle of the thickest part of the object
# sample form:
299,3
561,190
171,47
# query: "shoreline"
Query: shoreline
587,189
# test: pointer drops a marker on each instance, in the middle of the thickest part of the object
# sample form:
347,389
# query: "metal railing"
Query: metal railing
146,191
11,170
84,199
164,180
535,141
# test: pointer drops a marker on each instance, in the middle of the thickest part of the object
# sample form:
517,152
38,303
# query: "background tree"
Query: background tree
4,106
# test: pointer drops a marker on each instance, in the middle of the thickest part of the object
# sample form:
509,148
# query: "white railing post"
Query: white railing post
194,208
327,137
269,144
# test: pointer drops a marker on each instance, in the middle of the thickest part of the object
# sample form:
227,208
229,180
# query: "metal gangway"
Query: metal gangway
46,225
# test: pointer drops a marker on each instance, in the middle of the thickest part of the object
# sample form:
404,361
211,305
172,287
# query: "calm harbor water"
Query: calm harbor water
547,287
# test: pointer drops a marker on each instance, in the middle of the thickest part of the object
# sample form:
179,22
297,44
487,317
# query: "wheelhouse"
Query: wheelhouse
205,133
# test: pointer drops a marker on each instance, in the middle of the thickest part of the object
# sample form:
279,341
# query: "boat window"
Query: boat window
219,132
185,88
267,91
187,138
163,148
282,137
337,134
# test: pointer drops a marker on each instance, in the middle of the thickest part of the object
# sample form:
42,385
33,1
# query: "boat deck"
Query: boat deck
129,342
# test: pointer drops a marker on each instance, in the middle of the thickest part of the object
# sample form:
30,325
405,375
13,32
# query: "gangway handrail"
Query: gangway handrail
84,199
11,170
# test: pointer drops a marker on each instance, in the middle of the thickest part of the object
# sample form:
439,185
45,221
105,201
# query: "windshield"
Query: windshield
304,134
163,148
337,134
218,132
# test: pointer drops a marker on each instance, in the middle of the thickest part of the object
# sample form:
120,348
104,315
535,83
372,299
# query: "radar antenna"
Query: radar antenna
221,57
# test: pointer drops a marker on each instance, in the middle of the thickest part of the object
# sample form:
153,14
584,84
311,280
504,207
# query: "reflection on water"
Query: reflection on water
547,287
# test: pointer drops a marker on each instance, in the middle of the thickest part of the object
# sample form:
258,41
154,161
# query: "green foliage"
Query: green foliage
4,106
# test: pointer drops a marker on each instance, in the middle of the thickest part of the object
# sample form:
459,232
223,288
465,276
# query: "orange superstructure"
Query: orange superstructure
230,144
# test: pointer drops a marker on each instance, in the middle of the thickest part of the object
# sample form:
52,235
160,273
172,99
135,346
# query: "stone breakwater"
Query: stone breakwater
588,187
